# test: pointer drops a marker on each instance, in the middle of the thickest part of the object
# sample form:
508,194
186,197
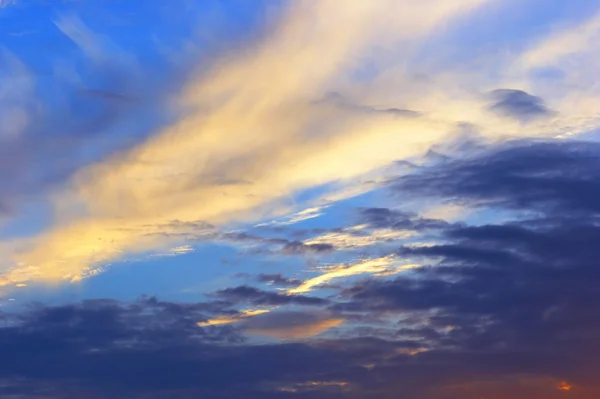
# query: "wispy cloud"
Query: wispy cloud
385,265
238,97
359,236
255,130
244,314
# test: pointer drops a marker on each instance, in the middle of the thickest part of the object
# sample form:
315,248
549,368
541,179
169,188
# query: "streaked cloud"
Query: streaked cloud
448,212
316,386
290,325
244,314
256,130
344,199
359,236
216,154
385,265
306,214
7,3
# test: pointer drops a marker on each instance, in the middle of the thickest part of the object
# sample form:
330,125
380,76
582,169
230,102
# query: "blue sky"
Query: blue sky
372,188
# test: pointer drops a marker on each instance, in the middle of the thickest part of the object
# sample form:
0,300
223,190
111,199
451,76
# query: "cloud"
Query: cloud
495,309
7,3
291,325
256,296
520,289
358,236
521,175
277,279
565,42
54,123
518,104
162,179
504,354
317,386
394,219
306,214
297,247
231,318
252,132
448,212
382,265
94,342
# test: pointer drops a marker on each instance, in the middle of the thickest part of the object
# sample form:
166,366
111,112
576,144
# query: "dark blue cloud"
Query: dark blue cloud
247,294
518,104
277,279
521,294
499,309
562,176
395,219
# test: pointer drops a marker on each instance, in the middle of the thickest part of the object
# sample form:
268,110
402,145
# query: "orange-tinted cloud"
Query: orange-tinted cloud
291,325
233,318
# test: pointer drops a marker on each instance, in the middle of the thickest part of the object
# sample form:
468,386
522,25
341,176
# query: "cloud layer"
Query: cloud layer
505,308
257,128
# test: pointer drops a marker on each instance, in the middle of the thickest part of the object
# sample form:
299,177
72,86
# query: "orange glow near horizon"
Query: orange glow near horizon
564,386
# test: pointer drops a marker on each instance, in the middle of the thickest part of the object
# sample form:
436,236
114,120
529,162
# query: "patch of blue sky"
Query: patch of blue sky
32,218
173,277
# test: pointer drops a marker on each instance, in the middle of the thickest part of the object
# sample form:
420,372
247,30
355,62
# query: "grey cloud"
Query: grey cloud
341,101
278,279
247,294
299,248
518,104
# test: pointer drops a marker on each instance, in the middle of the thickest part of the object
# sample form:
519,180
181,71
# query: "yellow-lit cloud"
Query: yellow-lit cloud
256,131
233,318
385,265
359,236
256,135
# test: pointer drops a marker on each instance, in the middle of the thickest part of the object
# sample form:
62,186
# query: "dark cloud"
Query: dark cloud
521,296
395,219
152,349
278,279
247,294
278,245
518,104
299,248
504,309
563,176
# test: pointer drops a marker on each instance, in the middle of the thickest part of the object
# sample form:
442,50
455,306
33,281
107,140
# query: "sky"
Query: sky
312,199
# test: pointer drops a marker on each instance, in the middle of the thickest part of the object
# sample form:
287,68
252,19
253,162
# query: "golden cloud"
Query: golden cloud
258,130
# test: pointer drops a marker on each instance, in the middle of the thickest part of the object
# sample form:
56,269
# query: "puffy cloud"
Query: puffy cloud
522,289
525,175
